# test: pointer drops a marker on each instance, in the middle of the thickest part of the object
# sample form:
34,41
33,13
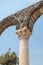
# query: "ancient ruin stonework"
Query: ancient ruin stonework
24,21
24,17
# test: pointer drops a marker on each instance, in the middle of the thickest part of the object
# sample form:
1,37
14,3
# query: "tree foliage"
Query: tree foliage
9,58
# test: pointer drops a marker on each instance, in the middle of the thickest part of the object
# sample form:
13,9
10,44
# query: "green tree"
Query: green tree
9,58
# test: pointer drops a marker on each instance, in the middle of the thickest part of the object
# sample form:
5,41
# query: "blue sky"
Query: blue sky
9,39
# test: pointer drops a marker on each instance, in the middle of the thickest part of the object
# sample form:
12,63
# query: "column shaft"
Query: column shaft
24,56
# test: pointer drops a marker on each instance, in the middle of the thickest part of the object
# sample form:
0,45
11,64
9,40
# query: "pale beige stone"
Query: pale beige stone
24,35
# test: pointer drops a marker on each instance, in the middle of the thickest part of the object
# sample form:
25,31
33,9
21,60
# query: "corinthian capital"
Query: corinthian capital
23,33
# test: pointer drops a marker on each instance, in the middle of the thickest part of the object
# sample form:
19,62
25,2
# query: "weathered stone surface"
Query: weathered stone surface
24,17
23,34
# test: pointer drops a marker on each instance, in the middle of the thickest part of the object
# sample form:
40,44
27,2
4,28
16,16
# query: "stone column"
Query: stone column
23,35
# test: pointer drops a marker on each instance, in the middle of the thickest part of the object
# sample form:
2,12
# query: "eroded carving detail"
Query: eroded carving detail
24,17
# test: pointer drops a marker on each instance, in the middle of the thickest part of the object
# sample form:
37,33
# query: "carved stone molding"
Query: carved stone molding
25,17
23,33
